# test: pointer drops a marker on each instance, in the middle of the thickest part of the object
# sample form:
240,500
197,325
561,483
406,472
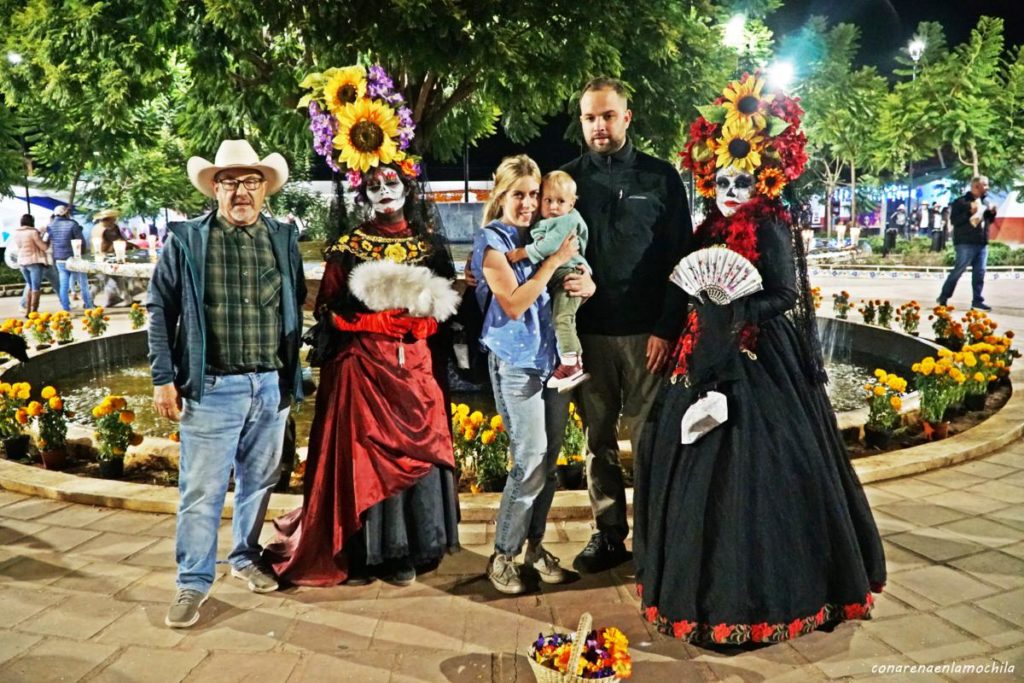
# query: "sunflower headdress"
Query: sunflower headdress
359,121
753,131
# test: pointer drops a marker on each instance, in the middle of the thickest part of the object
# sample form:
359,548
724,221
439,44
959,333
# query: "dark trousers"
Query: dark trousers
620,388
974,257
889,243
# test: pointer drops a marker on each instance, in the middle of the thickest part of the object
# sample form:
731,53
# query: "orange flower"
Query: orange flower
21,416
770,182
56,403
35,409
175,437
127,417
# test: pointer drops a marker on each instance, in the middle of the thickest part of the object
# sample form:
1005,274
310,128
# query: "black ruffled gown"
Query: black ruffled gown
760,531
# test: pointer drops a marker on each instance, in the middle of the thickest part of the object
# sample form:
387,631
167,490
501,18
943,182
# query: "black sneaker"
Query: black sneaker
601,554
402,573
981,307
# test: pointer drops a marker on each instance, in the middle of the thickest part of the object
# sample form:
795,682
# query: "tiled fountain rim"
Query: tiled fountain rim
1002,428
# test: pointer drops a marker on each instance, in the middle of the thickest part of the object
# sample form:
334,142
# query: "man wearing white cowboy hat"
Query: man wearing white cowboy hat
225,306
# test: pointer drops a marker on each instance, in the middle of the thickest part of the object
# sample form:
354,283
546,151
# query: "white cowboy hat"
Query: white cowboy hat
105,214
237,154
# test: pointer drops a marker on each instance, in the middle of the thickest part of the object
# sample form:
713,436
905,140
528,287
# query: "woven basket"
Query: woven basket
544,674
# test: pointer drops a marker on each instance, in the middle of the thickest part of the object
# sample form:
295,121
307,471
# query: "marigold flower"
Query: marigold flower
175,437
487,437
48,392
497,422
896,402
21,416
56,403
127,417
879,391
477,418
136,439
35,409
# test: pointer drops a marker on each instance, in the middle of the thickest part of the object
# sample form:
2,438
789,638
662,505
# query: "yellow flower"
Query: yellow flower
56,403
979,377
396,253
615,639
366,135
497,422
487,437
100,411
970,360
743,102
48,392
344,87
739,147
24,394
561,461
880,374
477,418
463,410
879,391
469,434
453,408
896,402
35,409
4,387
944,353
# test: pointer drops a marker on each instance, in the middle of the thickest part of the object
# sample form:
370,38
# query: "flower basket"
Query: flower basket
16,447
579,641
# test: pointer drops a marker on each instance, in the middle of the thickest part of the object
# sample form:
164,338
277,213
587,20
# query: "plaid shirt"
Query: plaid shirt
243,299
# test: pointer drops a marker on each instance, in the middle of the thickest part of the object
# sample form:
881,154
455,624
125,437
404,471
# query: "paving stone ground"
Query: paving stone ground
84,591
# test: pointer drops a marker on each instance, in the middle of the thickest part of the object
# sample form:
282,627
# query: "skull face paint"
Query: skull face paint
732,189
385,190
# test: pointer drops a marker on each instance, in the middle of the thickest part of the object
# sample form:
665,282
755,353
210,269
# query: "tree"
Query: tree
85,70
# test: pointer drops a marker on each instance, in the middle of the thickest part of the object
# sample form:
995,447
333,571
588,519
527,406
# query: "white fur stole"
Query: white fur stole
383,285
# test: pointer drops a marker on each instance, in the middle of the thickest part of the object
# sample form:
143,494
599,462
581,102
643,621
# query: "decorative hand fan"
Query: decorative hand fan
718,272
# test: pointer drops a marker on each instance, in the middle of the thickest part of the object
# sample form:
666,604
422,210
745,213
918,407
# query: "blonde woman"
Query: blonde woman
520,338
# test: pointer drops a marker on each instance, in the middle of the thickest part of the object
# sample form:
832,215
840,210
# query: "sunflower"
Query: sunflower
706,186
743,102
739,146
366,135
770,182
344,87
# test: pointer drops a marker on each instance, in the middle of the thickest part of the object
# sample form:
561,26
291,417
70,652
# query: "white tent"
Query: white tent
1009,223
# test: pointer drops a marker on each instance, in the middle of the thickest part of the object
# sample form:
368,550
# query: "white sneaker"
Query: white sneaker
503,573
546,564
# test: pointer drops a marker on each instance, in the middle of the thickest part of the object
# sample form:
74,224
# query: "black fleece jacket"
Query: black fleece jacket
635,206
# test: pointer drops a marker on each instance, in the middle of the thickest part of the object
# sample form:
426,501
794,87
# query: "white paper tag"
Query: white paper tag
705,414
461,355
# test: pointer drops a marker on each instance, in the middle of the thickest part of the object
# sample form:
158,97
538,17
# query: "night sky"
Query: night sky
886,26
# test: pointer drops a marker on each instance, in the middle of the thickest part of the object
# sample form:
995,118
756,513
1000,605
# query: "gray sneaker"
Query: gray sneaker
545,564
260,580
184,611
504,574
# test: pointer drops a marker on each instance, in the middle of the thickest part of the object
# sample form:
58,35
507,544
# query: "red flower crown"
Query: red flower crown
754,132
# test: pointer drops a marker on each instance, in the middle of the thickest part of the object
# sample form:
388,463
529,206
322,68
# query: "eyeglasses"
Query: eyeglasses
250,184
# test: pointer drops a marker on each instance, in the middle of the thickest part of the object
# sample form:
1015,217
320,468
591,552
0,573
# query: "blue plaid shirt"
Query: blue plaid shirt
529,342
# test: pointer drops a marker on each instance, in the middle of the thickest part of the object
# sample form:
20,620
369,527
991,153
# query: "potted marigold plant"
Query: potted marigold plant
63,328
13,418
492,461
868,310
94,321
114,434
885,312
939,382
137,316
885,400
909,317
39,327
571,460
976,382
948,332
52,424
841,304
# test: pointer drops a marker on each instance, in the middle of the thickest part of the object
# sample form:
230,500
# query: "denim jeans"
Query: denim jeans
33,274
49,273
237,425
65,281
535,418
973,255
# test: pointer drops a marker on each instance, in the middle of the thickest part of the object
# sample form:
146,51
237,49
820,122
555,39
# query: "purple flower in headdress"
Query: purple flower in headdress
394,99
378,83
406,127
324,128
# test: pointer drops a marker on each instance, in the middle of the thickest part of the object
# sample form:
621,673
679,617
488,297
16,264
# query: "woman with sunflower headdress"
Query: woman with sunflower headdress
379,487
750,523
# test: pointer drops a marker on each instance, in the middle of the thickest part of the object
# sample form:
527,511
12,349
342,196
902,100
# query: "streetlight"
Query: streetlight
915,49
734,35
780,75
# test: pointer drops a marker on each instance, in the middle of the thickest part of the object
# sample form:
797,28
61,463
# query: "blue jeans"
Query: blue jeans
974,256
33,274
535,418
50,273
65,280
237,425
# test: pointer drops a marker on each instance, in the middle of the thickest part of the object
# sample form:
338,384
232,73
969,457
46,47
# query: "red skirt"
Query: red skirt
380,425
